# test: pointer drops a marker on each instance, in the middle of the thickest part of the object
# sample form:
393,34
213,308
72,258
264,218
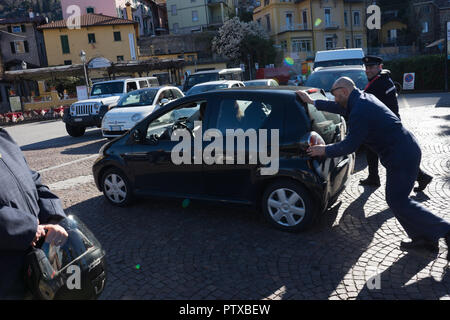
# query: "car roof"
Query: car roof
220,71
258,80
124,79
217,82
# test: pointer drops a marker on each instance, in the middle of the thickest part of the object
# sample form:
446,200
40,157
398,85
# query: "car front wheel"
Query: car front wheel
288,206
116,188
74,131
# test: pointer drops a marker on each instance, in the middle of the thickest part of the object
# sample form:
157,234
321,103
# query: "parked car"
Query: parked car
212,75
104,95
261,82
140,162
135,106
214,85
339,57
324,78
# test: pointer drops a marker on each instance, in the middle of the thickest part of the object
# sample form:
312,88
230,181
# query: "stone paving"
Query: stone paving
157,249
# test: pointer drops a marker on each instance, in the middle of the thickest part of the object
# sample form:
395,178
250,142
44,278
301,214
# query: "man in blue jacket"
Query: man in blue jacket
370,122
28,211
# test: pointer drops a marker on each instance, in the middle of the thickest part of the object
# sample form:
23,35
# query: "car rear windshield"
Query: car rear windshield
107,88
203,77
138,98
205,88
325,79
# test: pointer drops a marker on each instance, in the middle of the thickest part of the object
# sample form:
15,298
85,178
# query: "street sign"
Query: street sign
82,93
408,81
15,104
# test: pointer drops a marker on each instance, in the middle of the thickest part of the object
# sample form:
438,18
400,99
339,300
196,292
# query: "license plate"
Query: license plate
78,119
116,128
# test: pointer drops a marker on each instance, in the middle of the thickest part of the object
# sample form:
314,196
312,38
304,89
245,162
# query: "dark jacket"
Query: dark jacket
23,200
373,124
382,87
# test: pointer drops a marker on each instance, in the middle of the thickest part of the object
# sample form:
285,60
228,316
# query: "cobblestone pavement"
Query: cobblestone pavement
159,250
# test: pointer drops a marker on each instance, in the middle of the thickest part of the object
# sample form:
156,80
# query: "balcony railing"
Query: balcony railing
294,27
330,25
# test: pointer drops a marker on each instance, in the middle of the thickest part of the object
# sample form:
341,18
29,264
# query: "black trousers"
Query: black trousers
372,163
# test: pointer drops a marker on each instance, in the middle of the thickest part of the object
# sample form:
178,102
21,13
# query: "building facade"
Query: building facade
302,27
99,36
186,16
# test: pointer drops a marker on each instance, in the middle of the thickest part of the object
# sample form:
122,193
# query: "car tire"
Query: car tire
74,131
288,206
117,188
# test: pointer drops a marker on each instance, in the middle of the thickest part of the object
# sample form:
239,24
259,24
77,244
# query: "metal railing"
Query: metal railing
294,27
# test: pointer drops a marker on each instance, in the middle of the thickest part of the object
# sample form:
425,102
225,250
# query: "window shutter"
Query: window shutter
24,28
9,29
13,47
25,43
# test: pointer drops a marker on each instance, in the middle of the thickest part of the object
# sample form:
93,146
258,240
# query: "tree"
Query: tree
237,39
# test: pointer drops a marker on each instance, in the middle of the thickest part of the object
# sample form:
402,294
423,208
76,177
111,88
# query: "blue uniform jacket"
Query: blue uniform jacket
371,123
23,200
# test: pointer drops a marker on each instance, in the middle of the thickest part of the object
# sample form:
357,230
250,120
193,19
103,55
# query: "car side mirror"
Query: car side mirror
137,136
164,101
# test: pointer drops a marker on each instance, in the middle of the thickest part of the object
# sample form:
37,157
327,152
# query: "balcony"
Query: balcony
216,2
294,27
331,26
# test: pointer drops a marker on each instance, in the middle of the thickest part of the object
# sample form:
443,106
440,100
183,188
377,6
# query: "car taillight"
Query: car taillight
315,139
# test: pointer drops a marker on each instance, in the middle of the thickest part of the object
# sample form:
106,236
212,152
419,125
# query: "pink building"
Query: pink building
105,7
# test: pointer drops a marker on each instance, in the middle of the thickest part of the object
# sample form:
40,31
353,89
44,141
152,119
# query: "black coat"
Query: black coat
23,200
382,87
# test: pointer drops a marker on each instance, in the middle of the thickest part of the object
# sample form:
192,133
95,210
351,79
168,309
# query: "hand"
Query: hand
56,234
316,151
40,232
304,97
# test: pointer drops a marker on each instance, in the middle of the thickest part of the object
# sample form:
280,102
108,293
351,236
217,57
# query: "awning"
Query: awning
435,43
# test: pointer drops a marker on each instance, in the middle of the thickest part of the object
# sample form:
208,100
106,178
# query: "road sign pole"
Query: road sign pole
447,55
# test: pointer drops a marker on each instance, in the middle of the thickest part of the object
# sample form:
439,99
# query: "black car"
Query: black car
140,163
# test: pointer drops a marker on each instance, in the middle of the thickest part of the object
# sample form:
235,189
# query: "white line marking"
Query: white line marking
68,163
70,183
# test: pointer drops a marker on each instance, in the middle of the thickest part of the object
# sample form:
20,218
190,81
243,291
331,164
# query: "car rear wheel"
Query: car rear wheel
116,188
74,131
288,206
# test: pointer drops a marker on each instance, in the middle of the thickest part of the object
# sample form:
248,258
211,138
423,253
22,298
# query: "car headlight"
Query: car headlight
105,118
136,117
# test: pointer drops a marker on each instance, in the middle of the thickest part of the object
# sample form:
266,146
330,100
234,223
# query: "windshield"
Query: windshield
107,88
207,87
255,83
202,77
325,79
138,98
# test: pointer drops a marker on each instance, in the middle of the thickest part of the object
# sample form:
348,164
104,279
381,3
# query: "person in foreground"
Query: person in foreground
371,123
28,212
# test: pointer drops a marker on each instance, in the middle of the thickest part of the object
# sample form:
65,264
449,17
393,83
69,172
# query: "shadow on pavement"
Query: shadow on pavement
64,141
91,148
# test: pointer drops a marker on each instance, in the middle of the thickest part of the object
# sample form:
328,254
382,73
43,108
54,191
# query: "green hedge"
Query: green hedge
429,70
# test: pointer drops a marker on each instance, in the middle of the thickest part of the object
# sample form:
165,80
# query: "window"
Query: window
358,43
242,114
143,84
175,28
284,45
177,94
19,46
346,18
301,45
356,18
194,16
425,27
329,43
131,86
65,44
173,9
67,62
117,36
120,58
327,16
17,29
347,43
392,34
289,20
305,19
266,2
268,22
89,10
91,37
259,21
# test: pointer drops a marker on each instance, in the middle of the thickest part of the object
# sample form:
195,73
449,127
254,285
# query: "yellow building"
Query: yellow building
389,32
302,27
98,35
192,16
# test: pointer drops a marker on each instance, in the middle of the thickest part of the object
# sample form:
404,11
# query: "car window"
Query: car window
176,94
143,84
138,98
107,88
153,82
323,123
242,114
131,86
188,114
325,79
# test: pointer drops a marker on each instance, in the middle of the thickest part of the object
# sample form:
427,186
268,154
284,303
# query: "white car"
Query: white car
261,82
214,85
324,77
135,106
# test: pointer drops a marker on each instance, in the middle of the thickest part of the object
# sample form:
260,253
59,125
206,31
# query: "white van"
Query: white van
212,75
339,57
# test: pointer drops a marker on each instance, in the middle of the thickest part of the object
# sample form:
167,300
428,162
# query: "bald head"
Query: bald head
345,82
341,90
